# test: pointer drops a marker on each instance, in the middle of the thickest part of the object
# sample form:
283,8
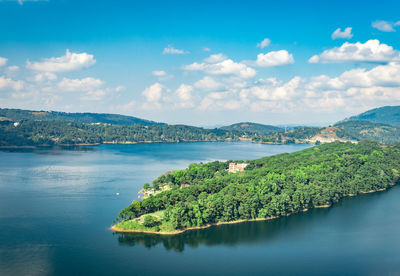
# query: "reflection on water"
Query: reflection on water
253,232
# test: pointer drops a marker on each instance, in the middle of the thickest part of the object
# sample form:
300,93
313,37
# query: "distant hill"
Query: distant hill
115,119
387,115
364,130
253,128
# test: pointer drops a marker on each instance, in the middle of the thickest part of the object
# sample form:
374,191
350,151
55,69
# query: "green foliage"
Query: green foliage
30,133
270,186
150,221
364,130
253,128
115,119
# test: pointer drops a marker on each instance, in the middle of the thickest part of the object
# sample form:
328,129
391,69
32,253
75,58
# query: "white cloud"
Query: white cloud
274,58
68,62
370,51
215,58
184,96
184,92
222,67
206,49
207,83
220,101
349,90
383,75
385,26
173,51
12,68
3,61
285,92
264,43
85,84
95,95
345,34
44,76
153,93
119,88
159,73
6,83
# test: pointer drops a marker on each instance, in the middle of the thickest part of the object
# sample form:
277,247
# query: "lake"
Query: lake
56,207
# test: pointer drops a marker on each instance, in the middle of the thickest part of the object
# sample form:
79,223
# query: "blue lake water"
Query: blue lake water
56,207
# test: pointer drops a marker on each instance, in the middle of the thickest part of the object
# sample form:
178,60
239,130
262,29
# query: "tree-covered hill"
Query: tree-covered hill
115,119
364,130
387,115
40,133
269,187
253,128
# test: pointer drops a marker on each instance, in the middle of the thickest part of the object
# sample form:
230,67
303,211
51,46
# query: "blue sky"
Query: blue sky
201,62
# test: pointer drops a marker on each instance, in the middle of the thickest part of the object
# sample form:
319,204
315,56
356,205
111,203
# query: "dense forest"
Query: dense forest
269,187
365,130
8,114
20,128
253,128
32,133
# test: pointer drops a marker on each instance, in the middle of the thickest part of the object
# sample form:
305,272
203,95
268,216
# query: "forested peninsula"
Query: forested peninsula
208,194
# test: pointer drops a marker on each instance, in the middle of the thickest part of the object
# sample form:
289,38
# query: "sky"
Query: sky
203,63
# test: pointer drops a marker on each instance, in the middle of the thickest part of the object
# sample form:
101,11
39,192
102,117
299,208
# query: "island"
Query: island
267,188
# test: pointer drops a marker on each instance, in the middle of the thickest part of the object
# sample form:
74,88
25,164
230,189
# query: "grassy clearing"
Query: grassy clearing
138,223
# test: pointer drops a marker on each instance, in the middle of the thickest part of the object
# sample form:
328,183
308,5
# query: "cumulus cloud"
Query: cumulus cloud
345,34
379,85
8,83
215,58
68,62
3,61
153,93
184,92
184,96
383,75
385,26
221,65
45,76
264,43
173,51
207,83
370,51
159,73
206,49
274,58
85,84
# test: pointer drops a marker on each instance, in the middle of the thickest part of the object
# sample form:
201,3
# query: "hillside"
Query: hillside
387,115
364,130
48,133
253,128
270,187
115,119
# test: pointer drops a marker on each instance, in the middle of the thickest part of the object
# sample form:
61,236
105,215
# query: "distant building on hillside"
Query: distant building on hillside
236,167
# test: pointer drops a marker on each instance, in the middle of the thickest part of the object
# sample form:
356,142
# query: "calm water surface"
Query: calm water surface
56,207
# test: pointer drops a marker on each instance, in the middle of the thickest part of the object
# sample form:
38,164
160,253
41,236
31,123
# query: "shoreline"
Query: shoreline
180,231
135,143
